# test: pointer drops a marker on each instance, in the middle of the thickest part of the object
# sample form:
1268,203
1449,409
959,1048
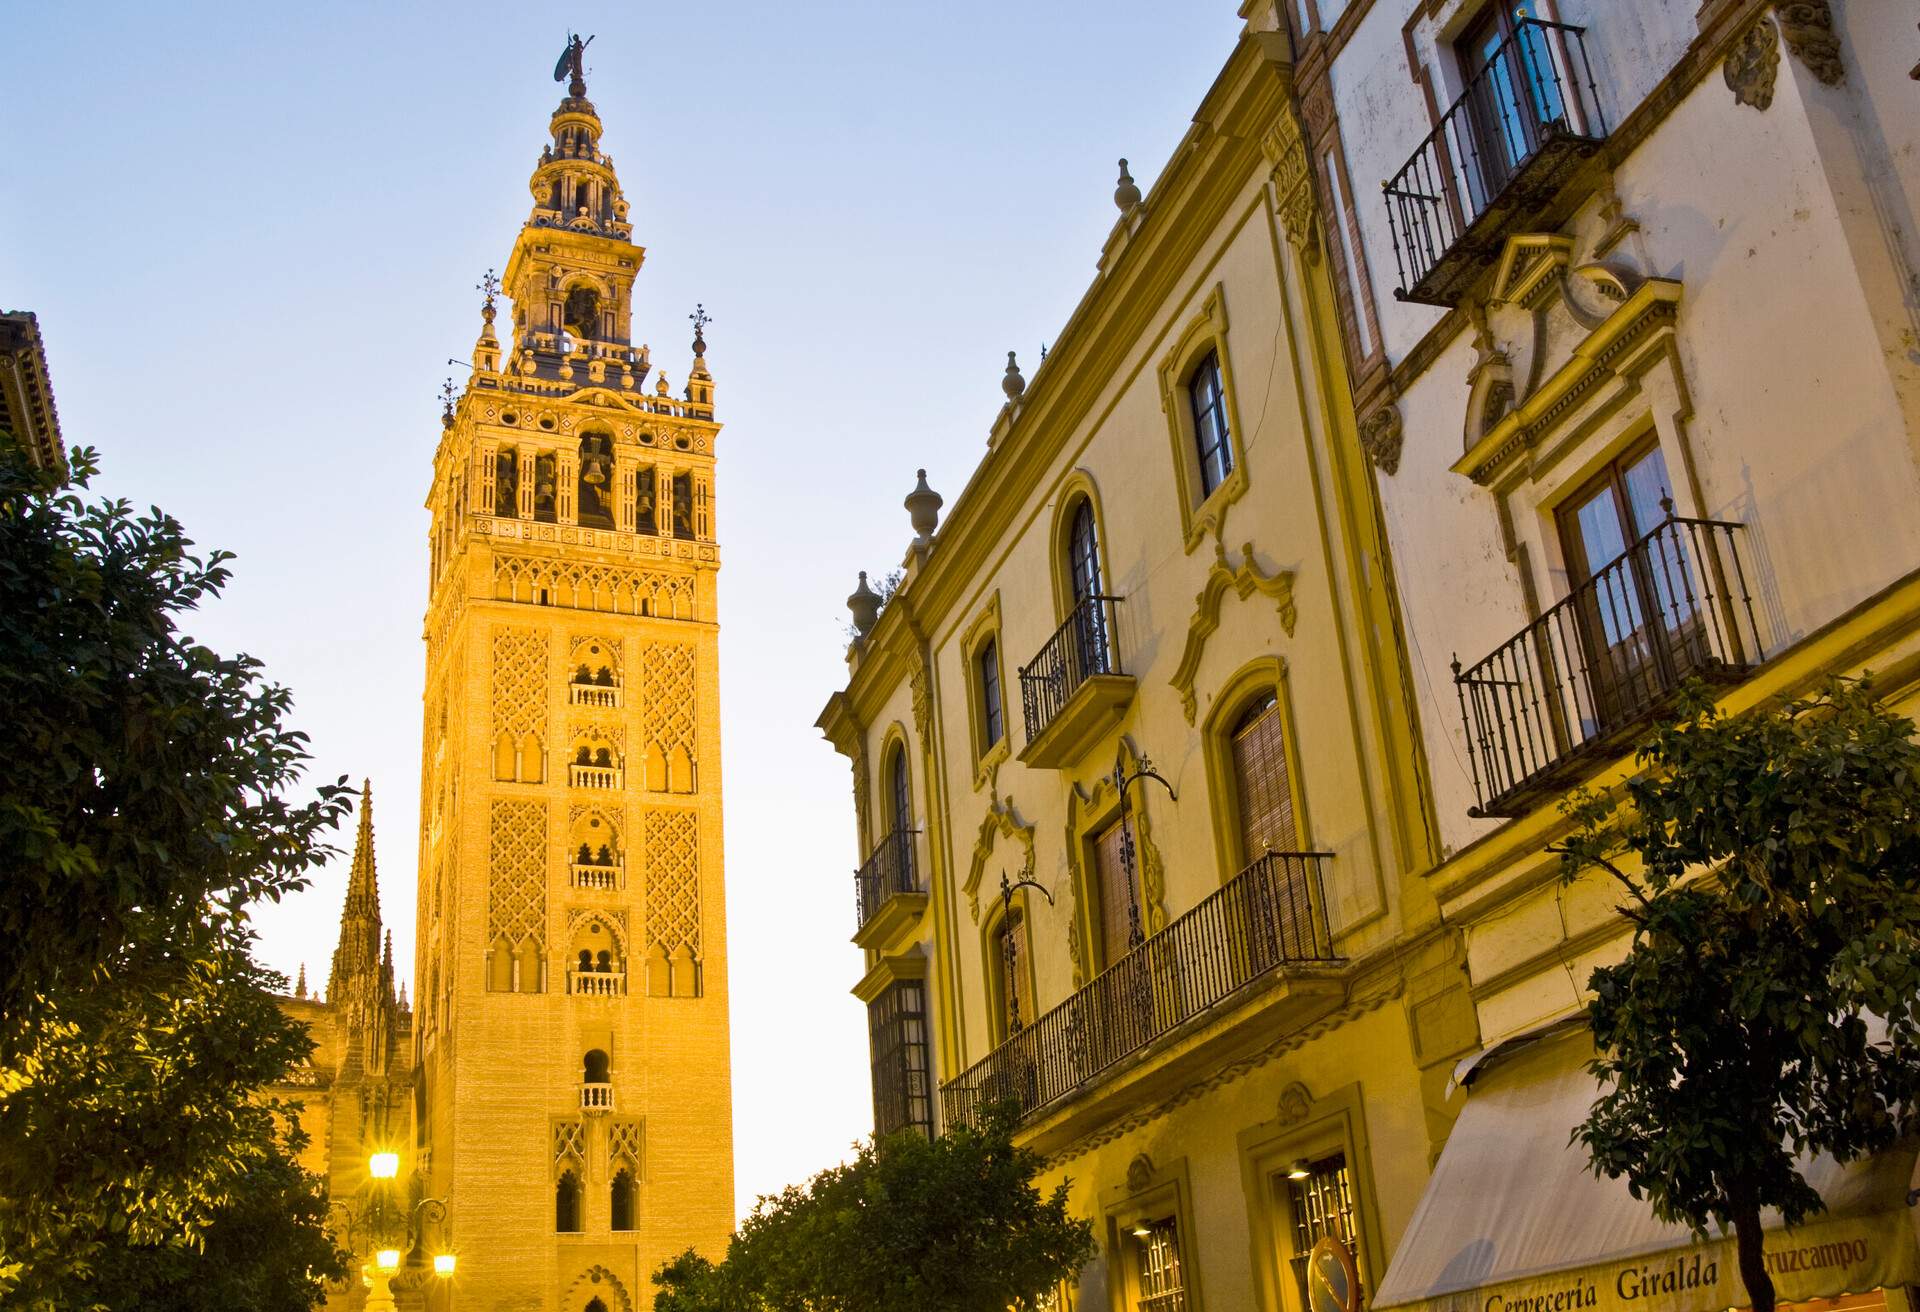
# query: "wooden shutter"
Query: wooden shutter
1110,874
1264,792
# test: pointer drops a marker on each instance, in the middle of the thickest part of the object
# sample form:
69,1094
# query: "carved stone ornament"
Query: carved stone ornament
1000,821
1245,579
1807,26
1751,63
1139,1173
1296,1101
923,707
1381,436
1286,151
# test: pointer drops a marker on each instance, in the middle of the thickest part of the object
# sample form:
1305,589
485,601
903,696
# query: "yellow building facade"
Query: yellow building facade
1147,673
572,1103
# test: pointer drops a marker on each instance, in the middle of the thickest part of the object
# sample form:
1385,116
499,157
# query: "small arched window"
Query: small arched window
1083,553
1212,438
566,1203
625,1200
1263,792
595,1067
900,796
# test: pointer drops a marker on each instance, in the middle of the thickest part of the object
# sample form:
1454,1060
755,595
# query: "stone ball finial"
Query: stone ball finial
923,505
865,605
1013,384
1126,195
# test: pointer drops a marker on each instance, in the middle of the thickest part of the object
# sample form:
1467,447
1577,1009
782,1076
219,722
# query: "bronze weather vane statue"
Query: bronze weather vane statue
573,60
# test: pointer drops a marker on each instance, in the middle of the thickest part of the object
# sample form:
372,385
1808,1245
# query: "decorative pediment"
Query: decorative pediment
1000,821
1245,579
1530,265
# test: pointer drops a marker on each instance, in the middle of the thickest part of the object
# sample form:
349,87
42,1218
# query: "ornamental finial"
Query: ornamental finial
700,319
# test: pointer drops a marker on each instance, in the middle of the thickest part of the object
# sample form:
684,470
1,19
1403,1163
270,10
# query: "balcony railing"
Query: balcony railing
888,871
596,983
592,874
1675,605
1084,646
596,1099
593,776
1501,152
1271,915
593,694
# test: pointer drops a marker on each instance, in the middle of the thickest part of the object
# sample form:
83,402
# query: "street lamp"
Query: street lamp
395,1234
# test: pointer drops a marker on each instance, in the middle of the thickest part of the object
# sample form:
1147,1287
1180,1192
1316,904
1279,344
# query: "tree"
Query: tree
952,1224
1767,1004
142,811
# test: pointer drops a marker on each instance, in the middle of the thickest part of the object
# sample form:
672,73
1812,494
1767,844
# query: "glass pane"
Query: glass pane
1602,535
1647,486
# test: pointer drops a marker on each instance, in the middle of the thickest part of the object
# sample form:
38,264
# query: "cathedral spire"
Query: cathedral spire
358,953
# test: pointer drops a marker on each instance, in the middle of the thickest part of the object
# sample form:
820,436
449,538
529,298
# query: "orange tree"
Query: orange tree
1767,1004
952,1224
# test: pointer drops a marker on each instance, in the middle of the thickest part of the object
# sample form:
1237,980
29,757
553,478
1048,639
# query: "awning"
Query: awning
1512,1220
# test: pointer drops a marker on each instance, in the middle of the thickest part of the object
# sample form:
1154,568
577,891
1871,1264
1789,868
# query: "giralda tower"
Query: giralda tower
574,1105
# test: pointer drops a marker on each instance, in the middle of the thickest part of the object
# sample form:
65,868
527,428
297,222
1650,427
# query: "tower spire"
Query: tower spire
358,954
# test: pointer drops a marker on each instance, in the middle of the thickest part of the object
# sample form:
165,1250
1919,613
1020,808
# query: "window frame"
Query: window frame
1264,676
888,1017
1151,1194
1202,509
994,969
984,628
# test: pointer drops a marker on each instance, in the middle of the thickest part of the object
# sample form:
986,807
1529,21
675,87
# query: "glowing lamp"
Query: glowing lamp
443,1264
1140,1230
383,1166
1300,1169
387,1259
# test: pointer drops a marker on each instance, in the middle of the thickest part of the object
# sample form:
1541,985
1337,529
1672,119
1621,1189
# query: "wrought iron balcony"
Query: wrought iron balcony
1074,687
1675,605
1499,156
1270,916
889,872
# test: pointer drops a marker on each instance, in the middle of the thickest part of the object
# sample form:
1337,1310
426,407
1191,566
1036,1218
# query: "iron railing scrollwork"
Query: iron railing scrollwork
1083,646
1674,605
889,870
1533,102
1272,914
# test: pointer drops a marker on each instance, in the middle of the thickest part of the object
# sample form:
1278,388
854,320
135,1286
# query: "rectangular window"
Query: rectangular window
902,1078
992,721
1210,434
1322,1205
1163,1286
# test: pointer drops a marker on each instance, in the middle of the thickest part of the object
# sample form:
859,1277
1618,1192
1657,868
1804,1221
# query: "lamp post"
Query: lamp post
1007,949
393,1234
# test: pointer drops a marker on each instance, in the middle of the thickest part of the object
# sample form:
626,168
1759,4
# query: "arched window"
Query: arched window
594,1305
1083,553
625,1200
986,664
566,1203
1212,439
1009,966
1089,619
506,483
595,1066
1263,793
595,500
900,796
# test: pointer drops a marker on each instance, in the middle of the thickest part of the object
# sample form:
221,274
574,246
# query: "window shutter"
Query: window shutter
1264,792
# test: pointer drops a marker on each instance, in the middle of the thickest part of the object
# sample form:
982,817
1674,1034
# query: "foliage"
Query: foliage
1767,1005
952,1224
141,812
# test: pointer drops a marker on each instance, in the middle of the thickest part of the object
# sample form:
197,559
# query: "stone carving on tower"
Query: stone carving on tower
571,892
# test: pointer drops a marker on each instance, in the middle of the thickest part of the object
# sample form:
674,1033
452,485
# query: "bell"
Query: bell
593,474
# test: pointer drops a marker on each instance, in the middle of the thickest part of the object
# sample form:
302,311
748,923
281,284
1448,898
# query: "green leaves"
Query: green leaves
910,1225
142,811
1767,1006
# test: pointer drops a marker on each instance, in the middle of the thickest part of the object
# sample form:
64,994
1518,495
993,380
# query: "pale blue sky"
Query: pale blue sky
251,234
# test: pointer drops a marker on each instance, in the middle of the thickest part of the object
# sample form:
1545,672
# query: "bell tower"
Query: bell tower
573,1105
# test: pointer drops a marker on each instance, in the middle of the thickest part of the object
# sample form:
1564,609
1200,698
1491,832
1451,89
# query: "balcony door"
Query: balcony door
1089,645
1630,578
1512,96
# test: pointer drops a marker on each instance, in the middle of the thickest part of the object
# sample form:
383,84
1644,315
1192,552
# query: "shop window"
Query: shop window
1320,1195
902,1075
1162,1281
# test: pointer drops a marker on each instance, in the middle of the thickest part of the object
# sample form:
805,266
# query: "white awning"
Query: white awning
1513,1221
